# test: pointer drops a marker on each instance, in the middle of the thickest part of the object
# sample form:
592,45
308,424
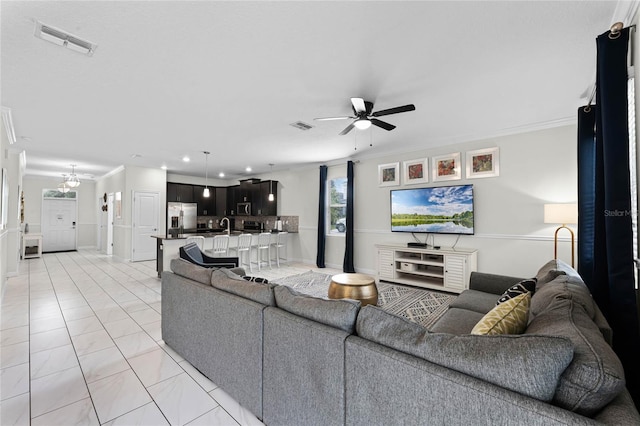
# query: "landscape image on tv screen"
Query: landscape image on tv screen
444,210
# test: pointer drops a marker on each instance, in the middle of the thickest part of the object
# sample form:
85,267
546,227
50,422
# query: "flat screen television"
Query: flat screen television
437,210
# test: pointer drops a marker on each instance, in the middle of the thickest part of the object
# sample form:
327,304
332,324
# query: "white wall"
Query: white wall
13,161
127,180
535,168
86,221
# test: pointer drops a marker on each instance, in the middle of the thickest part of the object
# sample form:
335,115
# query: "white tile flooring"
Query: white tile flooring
81,344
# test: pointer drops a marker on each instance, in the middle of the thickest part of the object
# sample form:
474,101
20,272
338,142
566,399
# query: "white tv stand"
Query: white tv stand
446,269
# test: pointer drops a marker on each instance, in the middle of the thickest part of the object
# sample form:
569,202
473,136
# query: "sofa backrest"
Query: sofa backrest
339,313
538,360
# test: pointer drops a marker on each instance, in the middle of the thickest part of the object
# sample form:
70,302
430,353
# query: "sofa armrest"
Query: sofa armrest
491,283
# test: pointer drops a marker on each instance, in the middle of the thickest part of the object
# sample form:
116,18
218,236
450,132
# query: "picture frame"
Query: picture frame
483,163
415,171
446,167
389,174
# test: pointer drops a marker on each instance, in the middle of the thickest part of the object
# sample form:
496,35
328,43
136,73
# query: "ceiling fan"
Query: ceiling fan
364,118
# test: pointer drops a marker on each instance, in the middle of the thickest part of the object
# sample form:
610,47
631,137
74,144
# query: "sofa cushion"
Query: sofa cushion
530,365
335,313
456,321
522,287
191,270
552,269
474,300
509,317
565,286
227,280
595,376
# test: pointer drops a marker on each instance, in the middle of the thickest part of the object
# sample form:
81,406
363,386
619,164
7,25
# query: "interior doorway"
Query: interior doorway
146,209
110,224
59,216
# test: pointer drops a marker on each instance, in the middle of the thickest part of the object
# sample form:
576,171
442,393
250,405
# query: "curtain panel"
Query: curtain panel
605,234
347,265
322,214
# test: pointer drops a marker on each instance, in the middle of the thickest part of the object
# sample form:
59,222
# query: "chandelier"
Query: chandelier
72,180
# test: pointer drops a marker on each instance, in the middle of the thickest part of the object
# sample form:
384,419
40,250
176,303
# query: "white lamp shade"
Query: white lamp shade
561,213
206,193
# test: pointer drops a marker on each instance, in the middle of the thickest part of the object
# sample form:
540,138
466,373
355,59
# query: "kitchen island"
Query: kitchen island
168,247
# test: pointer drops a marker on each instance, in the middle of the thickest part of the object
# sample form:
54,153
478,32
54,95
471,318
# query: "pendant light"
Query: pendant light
63,186
72,180
206,191
271,197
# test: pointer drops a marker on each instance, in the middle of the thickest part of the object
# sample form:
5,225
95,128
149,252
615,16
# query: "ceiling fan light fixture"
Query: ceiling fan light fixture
362,124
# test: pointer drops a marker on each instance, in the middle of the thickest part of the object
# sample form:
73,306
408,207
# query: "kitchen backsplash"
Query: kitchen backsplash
289,223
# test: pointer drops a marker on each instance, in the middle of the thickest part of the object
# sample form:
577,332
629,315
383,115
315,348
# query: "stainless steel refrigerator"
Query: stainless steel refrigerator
182,217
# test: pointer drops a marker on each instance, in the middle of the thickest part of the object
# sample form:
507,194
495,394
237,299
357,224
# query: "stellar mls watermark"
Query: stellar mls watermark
617,213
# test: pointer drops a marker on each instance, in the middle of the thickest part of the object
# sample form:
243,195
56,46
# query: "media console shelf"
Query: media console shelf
446,269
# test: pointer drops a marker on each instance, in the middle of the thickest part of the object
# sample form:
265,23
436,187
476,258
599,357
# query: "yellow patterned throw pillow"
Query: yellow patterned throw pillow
509,317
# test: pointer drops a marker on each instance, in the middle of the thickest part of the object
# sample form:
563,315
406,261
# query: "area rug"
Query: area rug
418,305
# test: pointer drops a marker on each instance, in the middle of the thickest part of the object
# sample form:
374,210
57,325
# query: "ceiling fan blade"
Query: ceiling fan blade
395,110
358,105
347,129
332,118
382,124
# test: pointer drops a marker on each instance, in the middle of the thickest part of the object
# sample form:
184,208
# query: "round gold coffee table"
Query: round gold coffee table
360,287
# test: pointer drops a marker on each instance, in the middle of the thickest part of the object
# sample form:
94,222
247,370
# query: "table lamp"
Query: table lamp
564,214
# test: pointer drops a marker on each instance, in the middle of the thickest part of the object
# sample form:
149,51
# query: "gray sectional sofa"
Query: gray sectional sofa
292,359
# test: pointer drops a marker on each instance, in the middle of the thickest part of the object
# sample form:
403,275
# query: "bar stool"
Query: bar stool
263,245
280,245
220,245
243,250
199,240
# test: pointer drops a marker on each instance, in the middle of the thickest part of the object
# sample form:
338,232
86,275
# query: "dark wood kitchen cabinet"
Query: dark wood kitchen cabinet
180,192
221,201
206,205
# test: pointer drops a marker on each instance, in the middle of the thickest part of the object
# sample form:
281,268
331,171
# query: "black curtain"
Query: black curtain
347,265
322,214
605,250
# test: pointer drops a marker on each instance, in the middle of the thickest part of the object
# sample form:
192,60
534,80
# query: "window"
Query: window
337,210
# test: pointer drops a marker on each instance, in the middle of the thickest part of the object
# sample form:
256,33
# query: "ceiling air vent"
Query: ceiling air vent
302,125
62,38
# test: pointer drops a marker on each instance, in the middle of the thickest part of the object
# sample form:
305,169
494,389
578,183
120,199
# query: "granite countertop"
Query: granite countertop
211,234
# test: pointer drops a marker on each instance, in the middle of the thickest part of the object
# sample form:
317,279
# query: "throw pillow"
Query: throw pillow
256,279
509,317
522,287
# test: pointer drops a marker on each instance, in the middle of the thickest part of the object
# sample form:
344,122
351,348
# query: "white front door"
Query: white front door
58,224
146,208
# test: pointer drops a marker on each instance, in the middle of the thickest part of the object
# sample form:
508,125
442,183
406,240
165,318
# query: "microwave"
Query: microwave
244,209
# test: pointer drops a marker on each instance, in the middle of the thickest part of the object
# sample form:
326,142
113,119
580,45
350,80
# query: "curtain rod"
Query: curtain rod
614,33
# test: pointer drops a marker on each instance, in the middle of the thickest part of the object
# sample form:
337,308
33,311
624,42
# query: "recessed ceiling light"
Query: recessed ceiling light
221,174
186,159
248,169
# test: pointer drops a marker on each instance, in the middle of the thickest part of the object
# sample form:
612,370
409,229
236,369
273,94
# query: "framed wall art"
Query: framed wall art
415,171
389,174
446,167
483,163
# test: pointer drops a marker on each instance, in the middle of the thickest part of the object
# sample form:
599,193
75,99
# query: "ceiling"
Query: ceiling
176,78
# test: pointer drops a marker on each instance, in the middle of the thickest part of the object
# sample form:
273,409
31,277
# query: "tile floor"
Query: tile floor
81,344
